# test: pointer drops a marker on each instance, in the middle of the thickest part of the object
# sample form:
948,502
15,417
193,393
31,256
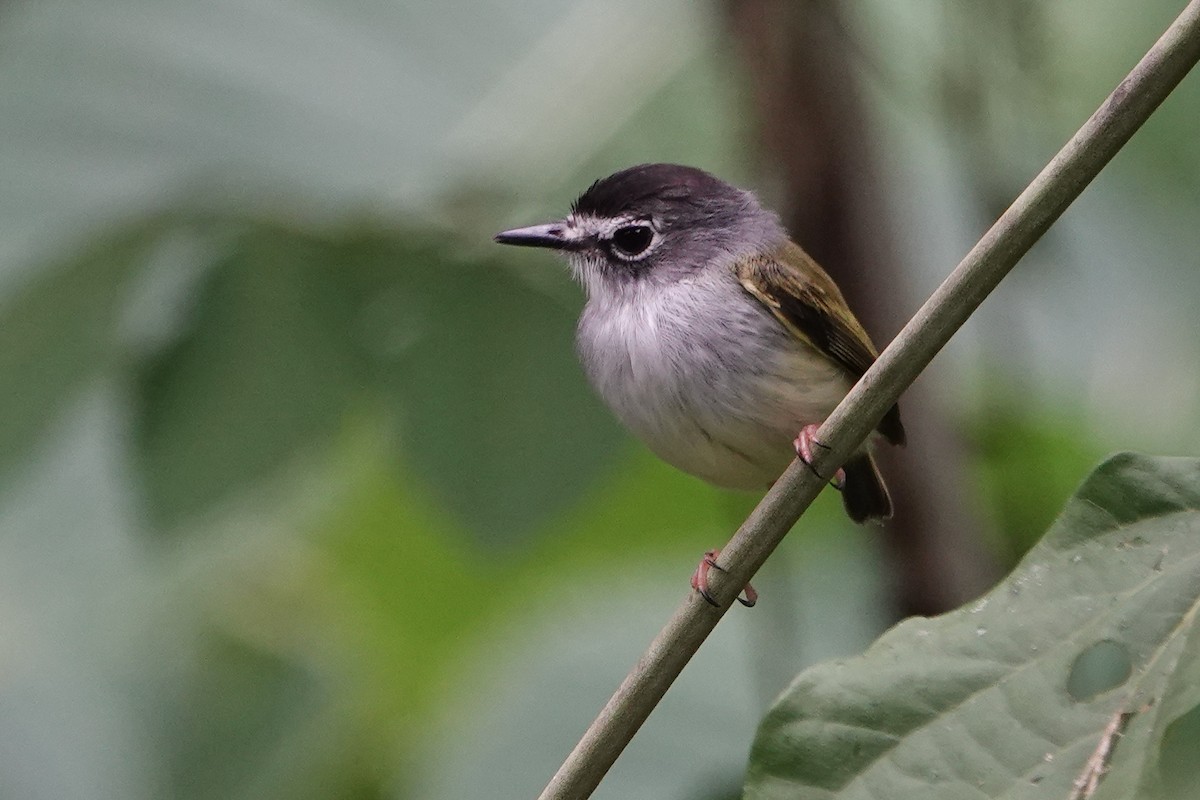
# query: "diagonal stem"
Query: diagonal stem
1042,202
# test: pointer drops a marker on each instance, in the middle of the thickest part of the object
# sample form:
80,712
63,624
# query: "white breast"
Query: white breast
707,378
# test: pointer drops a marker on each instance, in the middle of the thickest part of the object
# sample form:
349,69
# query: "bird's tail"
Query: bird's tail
864,493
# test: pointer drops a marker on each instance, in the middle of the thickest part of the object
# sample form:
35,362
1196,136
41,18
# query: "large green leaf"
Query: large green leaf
59,331
1010,697
292,334
498,418
264,368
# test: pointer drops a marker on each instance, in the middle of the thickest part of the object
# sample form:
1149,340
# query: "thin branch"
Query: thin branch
1042,202
1085,786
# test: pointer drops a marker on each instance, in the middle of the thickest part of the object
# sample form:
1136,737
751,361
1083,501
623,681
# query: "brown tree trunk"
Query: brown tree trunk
799,63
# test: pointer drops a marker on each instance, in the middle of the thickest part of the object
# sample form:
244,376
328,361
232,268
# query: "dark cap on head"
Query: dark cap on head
642,188
655,219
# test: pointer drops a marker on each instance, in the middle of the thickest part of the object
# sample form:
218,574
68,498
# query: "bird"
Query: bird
711,335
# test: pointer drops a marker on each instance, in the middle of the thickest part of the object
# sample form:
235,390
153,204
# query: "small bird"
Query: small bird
710,334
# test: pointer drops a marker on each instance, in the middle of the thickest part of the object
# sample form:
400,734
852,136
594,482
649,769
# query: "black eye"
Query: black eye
632,240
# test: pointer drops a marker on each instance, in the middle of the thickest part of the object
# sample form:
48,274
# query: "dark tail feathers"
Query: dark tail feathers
864,494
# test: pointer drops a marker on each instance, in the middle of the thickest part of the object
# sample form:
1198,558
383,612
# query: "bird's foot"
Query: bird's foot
700,580
804,443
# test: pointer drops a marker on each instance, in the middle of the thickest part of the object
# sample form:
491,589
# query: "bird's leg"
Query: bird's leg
700,580
804,450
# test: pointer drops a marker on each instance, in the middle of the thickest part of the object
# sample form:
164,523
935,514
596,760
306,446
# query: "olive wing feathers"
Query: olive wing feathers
809,304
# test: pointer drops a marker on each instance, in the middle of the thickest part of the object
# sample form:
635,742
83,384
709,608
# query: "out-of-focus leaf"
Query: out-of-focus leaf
1027,463
498,417
266,368
240,704
58,332
104,108
293,331
979,702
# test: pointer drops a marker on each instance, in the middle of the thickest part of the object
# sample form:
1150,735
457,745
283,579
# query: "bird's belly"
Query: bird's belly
735,431
723,406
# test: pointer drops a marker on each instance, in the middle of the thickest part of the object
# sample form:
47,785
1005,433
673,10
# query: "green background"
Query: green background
302,493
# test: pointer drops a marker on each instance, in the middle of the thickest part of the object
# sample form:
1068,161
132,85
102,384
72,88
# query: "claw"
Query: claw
804,451
838,481
700,581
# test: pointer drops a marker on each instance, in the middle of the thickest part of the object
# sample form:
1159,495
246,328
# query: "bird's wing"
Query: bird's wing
809,304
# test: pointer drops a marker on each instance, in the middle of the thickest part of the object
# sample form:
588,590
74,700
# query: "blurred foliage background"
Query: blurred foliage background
302,493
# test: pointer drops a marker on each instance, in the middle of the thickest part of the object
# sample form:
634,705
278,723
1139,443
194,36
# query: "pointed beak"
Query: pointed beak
555,235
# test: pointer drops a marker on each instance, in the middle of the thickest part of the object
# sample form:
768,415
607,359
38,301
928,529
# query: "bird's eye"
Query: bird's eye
632,240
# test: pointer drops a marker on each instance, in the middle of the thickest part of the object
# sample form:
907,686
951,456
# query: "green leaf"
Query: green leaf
498,418
59,331
1012,695
292,335
1157,757
1031,451
266,368
231,714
